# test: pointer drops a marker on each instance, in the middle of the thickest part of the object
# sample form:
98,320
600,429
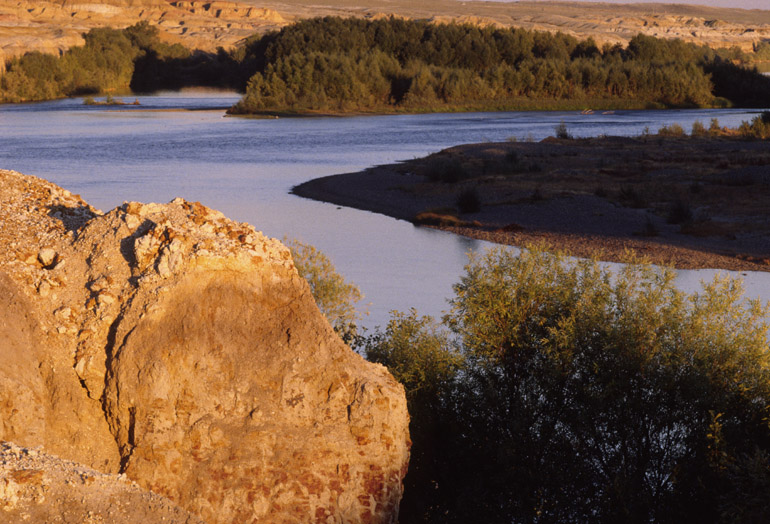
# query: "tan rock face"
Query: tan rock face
53,26
196,360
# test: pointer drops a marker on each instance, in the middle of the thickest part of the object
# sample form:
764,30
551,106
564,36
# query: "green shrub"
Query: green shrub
714,128
562,132
674,130
580,394
759,127
335,297
468,201
440,168
679,211
421,355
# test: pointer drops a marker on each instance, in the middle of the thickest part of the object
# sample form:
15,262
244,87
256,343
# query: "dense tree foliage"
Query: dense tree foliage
105,62
111,60
347,64
334,64
559,391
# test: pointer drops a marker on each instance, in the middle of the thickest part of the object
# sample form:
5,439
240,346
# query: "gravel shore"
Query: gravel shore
574,200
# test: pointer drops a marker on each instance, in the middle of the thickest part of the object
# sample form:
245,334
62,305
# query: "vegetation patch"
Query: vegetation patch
468,201
333,64
439,217
442,168
335,297
329,65
557,390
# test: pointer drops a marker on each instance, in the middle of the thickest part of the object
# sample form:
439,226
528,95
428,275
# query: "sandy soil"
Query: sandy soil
682,202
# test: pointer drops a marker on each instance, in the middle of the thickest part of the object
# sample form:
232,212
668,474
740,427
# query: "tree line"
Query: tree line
112,60
335,64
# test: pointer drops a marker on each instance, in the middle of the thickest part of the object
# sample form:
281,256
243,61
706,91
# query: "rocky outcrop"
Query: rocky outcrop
182,349
37,487
54,26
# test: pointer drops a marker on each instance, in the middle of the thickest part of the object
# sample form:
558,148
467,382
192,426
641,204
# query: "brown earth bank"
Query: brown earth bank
683,202
170,344
55,25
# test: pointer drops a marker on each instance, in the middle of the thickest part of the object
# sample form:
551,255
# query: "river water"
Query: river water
181,144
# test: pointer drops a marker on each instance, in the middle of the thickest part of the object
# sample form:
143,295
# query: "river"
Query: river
181,144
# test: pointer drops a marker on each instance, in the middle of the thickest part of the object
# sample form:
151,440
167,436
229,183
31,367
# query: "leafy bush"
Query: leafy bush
561,131
439,168
582,395
421,355
679,212
698,129
468,201
674,130
758,128
335,297
714,128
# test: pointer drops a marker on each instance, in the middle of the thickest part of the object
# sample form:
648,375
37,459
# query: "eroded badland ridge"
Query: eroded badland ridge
182,349
53,26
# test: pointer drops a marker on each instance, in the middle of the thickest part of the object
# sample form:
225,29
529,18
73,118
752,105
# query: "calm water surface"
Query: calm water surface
246,167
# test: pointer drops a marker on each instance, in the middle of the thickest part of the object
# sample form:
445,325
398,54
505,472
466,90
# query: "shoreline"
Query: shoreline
580,223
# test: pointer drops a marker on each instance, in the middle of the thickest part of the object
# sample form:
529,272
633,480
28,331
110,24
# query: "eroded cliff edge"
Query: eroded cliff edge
174,345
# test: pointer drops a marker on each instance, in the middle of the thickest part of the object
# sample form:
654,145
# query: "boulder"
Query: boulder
182,349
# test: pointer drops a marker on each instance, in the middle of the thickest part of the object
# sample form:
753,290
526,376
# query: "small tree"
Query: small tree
698,129
335,297
562,132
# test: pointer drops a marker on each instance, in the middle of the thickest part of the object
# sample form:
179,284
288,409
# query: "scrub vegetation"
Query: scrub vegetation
334,296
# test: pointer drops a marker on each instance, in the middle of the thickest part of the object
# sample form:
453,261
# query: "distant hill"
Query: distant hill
53,26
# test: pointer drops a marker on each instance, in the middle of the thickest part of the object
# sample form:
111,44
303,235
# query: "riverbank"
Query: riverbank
685,202
585,105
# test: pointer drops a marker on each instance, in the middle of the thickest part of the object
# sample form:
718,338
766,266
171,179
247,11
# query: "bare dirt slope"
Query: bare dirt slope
54,25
